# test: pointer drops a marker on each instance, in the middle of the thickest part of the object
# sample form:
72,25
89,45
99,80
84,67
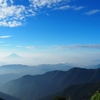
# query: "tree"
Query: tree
96,96
59,98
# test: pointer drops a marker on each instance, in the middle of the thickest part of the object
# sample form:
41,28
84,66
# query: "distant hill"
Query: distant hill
32,70
51,67
77,92
14,71
35,87
96,66
14,68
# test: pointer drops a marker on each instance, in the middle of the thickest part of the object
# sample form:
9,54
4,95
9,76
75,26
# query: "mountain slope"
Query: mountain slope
7,97
77,92
39,86
14,71
4,78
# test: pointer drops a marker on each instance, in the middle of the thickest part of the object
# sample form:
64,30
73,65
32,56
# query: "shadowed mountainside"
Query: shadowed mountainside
39,86
77,92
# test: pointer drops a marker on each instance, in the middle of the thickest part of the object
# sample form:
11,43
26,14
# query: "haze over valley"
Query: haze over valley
32,60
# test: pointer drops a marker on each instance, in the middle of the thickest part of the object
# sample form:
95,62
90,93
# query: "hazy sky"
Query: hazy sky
50,31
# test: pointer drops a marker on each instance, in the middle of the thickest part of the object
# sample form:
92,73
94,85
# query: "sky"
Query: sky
50,31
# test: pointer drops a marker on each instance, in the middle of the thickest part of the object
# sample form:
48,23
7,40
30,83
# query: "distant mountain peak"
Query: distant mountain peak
13,55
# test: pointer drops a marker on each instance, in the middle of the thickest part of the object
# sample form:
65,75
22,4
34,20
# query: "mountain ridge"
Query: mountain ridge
39,86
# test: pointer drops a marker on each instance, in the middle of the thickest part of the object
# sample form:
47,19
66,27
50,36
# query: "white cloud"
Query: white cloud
40,3
88,46
63,7
5,36
31,47
10,23
62,47
66,7
27,47
93,12
19,46
78,7
12,15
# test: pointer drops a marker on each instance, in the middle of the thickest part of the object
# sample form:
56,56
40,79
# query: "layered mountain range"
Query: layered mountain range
14,71
37,87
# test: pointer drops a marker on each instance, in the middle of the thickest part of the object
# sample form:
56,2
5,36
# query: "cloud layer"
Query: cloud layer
14,15
65,7
62,47
87,46
11,15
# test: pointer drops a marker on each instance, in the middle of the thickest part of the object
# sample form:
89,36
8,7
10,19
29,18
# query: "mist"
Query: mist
36,59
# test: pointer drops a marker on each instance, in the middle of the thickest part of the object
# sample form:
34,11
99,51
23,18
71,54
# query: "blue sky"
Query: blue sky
50,31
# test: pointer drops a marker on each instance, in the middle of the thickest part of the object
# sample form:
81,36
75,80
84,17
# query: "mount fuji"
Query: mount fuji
14,56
